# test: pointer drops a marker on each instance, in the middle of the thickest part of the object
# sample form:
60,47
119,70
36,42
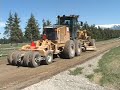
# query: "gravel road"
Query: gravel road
14,78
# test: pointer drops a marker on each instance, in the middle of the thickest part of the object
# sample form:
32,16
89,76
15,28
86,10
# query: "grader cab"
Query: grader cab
72,22
63,39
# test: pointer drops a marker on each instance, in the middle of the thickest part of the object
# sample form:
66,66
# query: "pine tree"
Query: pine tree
46,23
12,29
16,33
9,26
32,29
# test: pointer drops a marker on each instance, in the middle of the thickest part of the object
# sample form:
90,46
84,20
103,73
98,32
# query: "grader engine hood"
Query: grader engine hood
57,33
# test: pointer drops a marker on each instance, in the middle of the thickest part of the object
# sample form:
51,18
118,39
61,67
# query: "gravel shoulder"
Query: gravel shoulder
65,81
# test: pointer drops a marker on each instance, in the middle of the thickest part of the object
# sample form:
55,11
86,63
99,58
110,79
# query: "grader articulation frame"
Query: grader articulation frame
63,39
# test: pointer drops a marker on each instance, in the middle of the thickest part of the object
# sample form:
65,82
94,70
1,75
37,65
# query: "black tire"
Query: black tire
69,50
17,58
77,47
9,58
27,58
48,58
35,60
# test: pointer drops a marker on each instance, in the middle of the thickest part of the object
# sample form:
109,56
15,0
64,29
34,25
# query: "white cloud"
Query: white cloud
2,24
107,25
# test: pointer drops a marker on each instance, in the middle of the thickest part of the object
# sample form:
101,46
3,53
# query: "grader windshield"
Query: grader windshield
50,33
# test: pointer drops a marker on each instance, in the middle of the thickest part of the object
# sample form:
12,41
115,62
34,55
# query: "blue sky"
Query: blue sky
93,11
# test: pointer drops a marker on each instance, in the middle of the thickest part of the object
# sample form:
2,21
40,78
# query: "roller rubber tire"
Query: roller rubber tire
9,58
35,56
17,58
27,58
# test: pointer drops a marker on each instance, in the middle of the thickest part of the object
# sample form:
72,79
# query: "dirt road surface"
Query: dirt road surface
12,77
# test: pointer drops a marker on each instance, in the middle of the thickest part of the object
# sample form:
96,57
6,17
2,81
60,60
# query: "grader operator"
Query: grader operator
62,39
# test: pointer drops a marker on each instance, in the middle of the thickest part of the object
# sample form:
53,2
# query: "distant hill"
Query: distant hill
111,26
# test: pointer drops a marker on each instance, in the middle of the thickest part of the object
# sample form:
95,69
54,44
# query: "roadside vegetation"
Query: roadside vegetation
5,49
77,71
90,76
108,73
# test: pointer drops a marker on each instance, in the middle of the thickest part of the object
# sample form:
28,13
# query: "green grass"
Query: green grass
90,76
5,49
9,45
109,66
97,70
77,71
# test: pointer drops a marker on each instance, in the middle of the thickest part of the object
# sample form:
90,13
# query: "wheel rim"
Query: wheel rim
37,59
72,50
49,58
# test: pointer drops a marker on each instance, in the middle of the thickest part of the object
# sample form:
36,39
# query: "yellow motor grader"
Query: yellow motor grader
63,39
87,43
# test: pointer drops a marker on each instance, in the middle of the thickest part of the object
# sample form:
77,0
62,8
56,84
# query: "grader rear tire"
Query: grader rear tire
69,50
77,47
35,60
27,58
